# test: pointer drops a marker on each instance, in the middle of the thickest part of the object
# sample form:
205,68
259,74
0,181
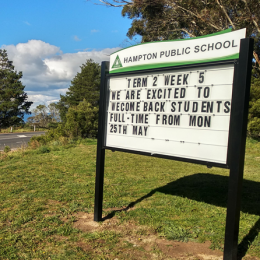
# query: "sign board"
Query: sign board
176,111
182,113
223,45
184,100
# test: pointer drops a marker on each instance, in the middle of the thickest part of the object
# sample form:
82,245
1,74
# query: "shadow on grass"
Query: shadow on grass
211,189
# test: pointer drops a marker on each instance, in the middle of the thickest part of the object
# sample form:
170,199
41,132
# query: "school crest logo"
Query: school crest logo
117,63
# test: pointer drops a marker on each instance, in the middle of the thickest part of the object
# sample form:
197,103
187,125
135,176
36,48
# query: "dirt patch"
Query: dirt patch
84,246
188,250
139,242
174,249
85,222
54,202
250,258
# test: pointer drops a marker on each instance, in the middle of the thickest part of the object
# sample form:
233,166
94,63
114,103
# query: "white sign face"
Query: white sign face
214,47
183,113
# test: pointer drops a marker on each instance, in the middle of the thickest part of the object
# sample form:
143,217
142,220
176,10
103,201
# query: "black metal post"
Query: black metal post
237,142
100,160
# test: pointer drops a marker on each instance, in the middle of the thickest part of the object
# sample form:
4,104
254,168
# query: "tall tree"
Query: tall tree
82,120
85,85
13,99
157,20
45,116
63,107
54,112
254,107
41,116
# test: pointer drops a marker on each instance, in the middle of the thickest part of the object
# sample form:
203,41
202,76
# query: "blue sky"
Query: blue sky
49,39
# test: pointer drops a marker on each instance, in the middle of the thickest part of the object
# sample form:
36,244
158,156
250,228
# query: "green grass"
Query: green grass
41,190
20,130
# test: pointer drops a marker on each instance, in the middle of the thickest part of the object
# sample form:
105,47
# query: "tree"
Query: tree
63,107
13,99
85,85
41,117
254,108
82,120
157,20
54,112
45,116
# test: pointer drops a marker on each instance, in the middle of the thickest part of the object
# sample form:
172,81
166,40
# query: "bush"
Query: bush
56,133
254,107
254,127
44,149
55,143
82,120
7,149
63,140
52,125
34,144
41,139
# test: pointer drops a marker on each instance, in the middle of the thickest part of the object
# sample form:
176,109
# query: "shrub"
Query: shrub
56,133
44,149
82,120
7,149
55,143
3,156
63,140
254,107
34,144
52,125
41,139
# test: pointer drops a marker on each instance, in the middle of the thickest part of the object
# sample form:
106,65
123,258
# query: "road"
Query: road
16,140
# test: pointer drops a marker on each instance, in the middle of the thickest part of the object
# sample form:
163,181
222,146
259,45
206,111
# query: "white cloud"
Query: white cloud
42,99
47,71
27,23
94,31
76,38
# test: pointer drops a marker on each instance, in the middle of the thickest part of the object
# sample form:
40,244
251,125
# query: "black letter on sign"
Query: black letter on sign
134,130
154,81
206,92
113,95
195,107
192,121
227,107
185,79
201,77
118,95
173,106
144,84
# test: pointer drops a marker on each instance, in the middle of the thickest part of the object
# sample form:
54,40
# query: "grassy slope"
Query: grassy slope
178,200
